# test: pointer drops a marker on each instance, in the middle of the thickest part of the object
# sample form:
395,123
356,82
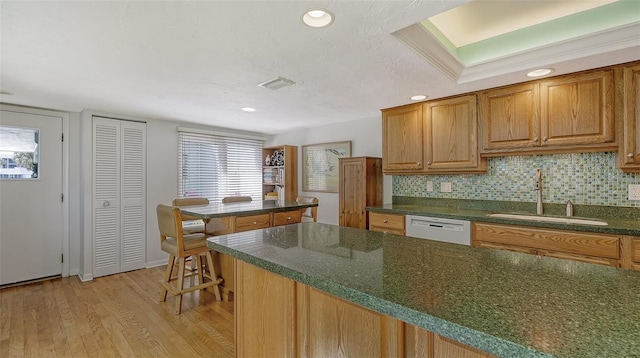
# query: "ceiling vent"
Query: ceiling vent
276,83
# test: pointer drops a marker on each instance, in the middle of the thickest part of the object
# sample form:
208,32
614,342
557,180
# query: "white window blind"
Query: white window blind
214,166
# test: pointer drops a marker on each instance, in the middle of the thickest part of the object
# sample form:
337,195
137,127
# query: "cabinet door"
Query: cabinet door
402,138
352,194
630,143
577,109
264,313
510,118
451,133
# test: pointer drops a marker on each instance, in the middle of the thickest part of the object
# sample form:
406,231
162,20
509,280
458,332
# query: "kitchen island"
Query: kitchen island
227,218
313,289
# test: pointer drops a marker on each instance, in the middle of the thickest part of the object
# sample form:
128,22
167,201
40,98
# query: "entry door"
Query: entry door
31,210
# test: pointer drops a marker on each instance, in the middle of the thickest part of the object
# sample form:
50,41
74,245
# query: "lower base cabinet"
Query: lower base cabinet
279,317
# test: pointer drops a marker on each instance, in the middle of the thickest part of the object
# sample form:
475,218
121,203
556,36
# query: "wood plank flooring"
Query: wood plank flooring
114,316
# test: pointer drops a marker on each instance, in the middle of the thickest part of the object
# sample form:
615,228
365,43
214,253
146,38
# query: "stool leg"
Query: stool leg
213,276
180,285
198,267
167,277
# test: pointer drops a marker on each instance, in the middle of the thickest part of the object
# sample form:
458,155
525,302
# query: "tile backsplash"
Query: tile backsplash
585,178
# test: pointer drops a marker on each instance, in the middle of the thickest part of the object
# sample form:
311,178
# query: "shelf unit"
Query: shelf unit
281,176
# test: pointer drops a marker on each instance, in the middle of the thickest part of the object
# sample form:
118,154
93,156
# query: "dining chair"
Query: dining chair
309,214
235,199
193,224
179,247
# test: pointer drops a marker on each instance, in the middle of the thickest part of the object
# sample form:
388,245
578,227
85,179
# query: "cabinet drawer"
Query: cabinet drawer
582,243
253,222
635,250
391,223
287,217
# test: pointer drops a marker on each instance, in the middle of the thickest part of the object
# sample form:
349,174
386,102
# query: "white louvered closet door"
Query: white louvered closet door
119,162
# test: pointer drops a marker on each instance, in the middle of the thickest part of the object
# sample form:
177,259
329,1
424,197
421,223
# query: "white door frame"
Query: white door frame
65,172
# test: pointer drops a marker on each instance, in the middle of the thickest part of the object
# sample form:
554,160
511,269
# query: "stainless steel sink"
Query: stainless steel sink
551,219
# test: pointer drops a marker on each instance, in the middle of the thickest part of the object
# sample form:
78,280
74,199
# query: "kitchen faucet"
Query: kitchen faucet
539,190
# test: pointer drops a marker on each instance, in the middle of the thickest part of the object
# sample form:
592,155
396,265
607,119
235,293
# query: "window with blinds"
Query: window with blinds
214,166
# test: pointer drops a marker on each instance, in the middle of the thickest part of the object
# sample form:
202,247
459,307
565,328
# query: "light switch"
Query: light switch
429,186
445,187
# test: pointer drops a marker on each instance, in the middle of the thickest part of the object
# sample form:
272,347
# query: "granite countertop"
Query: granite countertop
505,303
217,210
620,220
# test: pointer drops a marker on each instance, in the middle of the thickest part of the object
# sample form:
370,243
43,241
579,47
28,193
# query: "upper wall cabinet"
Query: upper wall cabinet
451,135
435,137
629,154
402,139
510,118
567,113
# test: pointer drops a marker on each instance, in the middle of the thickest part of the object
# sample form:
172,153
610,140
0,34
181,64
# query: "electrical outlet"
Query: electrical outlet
429,186
634,191
445,187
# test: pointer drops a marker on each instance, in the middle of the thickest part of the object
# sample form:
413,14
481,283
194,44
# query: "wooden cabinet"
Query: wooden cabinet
265,313
286,218
360,186
291,319
630,252
387,223
279,173
572,113
434,137
402,138
577,110
629,91
603,249
510,118
252,222
451,136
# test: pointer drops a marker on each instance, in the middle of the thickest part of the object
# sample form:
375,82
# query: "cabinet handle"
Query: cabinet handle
428,163
535,139
288,217
105,203
417,163
630,155
385,221
255,223
544,139
385,232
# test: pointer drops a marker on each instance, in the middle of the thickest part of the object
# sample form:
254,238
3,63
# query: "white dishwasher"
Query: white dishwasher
438,229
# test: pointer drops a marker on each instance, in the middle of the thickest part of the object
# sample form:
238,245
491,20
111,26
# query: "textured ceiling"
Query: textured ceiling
201,61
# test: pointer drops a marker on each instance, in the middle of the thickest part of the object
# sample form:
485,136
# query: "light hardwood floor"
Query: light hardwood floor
113,316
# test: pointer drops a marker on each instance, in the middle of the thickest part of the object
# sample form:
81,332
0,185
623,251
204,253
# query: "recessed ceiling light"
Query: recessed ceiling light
418,97
540,72
317,18
248,109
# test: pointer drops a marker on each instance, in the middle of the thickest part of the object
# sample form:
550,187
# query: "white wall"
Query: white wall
366,140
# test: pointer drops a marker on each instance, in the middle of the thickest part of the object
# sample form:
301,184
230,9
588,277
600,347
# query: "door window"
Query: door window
19,153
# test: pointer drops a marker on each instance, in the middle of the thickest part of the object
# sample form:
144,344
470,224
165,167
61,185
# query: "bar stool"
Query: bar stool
235,199
179,247
309,214
194,224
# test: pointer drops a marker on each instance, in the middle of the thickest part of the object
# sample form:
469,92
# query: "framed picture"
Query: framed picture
320,166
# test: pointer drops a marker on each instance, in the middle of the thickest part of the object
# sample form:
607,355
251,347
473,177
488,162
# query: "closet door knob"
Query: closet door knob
630,155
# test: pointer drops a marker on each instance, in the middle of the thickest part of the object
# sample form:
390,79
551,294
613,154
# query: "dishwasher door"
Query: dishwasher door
438,229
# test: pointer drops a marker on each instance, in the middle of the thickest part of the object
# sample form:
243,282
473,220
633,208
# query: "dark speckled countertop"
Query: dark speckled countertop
505,303
620,220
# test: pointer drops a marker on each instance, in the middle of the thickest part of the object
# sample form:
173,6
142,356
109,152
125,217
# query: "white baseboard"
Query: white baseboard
156,263
85,277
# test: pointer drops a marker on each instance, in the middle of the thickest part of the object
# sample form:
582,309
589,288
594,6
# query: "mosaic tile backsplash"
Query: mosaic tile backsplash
585,178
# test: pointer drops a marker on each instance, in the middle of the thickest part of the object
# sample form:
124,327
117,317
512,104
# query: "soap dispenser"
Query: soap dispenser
569,208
